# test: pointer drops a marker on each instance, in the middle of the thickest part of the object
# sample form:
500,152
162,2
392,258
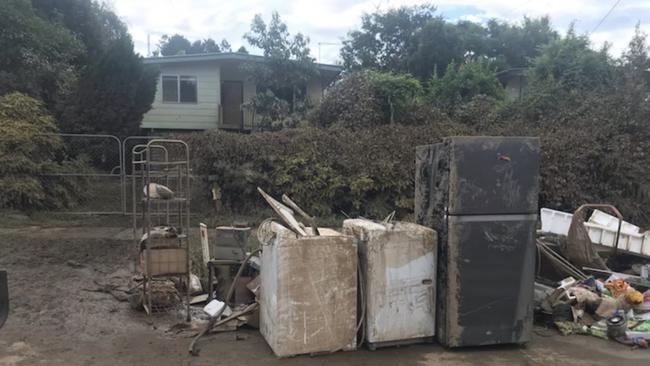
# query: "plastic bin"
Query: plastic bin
611,222
555,222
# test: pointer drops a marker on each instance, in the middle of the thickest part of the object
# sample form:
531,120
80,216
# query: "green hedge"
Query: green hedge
370,172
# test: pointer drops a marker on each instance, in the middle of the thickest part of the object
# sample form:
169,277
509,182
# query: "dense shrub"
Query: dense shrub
461,83
27,152
366,172
351,102
585,158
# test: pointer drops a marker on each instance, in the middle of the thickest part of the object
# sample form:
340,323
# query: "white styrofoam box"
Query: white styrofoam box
645,249
555,222
607,220
602,230
606,236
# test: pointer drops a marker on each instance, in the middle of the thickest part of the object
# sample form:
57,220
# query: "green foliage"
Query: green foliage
77,57
595,138
397,91
414,40
460,84
371,98
368,171
179,45
514,45
27,150
282,79
570,64
350,102
92,22
386,39
113,94
36,53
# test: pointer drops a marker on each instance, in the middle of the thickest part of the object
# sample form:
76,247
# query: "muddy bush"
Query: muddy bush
28,153
586,157
368,172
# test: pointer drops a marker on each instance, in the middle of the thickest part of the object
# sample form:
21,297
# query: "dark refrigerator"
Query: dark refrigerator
480,195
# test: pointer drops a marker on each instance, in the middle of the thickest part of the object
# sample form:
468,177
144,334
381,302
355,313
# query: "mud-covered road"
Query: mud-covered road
59,316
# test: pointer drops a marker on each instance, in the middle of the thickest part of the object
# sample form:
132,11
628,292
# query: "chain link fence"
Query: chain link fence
93,174
96,163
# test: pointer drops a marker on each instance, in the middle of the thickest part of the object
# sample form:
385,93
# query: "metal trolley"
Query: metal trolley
165,162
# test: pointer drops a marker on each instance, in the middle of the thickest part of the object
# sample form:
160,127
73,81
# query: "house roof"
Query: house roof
224,56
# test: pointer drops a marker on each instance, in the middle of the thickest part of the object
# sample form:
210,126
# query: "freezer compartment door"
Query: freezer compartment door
493,175
490,265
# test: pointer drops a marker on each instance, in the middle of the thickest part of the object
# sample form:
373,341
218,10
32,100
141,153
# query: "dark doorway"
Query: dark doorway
232,97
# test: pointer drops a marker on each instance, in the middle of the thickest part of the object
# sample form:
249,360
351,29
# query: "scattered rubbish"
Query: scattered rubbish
610,309
557,261
215,322
75,264
602,230
195,285
199,299
214,307
157,191
230,242
396,256
578,248
163,296
285,213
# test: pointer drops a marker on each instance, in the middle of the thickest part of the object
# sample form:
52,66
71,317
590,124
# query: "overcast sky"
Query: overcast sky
328,21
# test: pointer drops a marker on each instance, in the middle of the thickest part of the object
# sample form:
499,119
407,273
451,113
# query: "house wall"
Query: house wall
201,115
206,113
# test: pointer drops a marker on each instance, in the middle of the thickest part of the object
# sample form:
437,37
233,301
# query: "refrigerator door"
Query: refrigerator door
493,175
487,275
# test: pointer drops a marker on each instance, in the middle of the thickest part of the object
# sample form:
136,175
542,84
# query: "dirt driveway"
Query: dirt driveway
58,318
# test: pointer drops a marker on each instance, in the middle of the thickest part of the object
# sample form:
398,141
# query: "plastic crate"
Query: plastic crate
611,222
555,222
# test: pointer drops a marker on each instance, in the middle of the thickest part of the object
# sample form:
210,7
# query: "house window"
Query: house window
179,89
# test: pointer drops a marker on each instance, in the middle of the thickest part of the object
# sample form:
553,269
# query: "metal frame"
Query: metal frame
151,170
110,174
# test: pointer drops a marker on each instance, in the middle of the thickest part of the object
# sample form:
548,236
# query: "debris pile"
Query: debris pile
593,299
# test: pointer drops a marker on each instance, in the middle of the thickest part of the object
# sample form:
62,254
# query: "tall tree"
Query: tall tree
461,83
283,77
177,44
386,39
570,64
36,54
415,40
113,94
174,45
515,45
92,22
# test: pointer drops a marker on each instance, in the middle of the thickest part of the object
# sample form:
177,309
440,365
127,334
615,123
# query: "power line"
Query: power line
606,15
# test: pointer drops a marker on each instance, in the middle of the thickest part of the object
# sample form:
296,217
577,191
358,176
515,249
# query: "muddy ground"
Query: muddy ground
60,317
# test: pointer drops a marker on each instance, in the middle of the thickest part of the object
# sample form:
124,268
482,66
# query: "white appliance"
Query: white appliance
398,266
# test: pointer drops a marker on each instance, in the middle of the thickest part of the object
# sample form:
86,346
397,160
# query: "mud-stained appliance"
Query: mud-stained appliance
398,261
480,195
